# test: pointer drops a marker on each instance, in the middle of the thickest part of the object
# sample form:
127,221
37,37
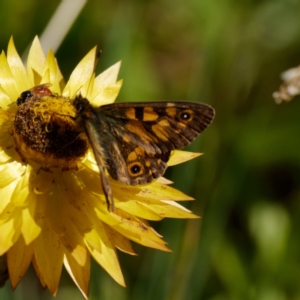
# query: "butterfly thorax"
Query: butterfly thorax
84,108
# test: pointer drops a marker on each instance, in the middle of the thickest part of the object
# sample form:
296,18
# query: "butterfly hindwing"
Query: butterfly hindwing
133,161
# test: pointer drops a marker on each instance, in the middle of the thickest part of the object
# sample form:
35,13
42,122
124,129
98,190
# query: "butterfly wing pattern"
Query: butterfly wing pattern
133,141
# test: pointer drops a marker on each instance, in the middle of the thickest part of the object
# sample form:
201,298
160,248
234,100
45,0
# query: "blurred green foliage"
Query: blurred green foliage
229,54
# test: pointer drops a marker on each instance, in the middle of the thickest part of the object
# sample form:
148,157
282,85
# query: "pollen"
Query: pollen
45,132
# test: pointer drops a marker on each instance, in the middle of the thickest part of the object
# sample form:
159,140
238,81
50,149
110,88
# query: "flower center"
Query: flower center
45,131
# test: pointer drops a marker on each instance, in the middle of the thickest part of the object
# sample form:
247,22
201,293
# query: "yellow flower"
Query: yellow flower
52,210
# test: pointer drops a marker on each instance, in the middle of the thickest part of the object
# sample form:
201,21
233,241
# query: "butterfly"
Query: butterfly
133,141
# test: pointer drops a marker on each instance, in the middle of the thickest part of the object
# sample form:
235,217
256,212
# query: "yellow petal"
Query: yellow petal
119,241
10,231
80,274
39,213
11,172
73,242
81,74
92,238
107,95
81,196
107,257
7,81
170,209
6,118
163,180
17,68
38,273
35,61
4,100
153,191
30,229
7,212
18,260
46,76
106,87
163,192
21,192
6,207
108,77
179,156
134,229
88,86
62,195
4,157
125,224
136,208
6,144
89,162
80,219
55,217
48,254
53,73
89,180
60,223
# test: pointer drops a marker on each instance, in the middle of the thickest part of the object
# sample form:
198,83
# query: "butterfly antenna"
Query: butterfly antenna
97,59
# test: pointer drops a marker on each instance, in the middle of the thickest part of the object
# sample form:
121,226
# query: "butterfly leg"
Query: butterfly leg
98,153
107,191
106,187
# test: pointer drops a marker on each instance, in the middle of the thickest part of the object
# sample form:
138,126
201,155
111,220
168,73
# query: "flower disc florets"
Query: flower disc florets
46,133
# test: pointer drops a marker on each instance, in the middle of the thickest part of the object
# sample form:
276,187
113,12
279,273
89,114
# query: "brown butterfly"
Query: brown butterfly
133,141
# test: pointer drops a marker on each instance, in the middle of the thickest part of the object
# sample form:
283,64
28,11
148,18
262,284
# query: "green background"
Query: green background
229,54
